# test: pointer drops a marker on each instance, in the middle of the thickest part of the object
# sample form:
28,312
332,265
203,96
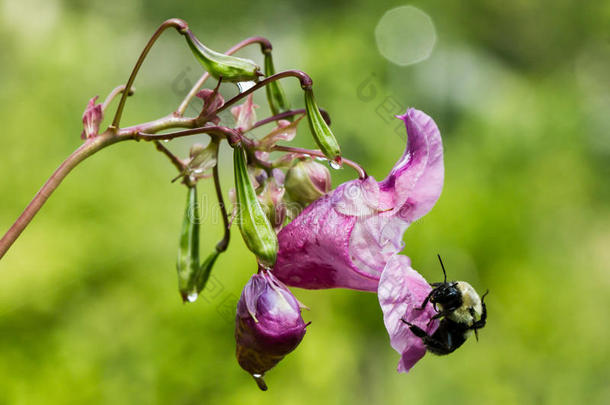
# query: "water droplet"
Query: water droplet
166,140
320,159
334,165
244,86
192,297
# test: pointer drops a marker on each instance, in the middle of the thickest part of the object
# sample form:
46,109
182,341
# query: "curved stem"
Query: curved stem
314,152
303,77
178,164
265,47
115,92
180,25
224,243
290,113
232,135
87,149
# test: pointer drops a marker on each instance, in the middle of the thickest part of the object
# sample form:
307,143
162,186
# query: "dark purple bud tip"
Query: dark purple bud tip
260,381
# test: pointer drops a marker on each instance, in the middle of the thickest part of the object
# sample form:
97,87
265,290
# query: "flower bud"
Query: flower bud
202,158
231,68
271,198
268,325
188,252
278,103
253,223
320,130
92,118
307,180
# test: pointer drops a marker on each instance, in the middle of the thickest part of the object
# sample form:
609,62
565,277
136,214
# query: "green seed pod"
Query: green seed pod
253,223
275,93
204,271
231,68
320,130
188,252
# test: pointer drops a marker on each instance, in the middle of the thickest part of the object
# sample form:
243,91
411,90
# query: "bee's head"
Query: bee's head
447,295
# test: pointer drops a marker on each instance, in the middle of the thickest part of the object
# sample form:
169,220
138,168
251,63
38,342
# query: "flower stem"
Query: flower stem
232,135
178,164
87,149
287,114
180,25
115,92
314,152
224,243
265,45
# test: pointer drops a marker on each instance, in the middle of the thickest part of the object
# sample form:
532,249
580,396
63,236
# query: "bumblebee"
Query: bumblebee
460,310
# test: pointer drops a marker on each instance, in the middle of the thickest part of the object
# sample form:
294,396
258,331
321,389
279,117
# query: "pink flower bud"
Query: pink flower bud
92,118
271,198
268,325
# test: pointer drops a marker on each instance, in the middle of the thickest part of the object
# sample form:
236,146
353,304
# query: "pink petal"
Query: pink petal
284,131
313,251
401,291
244,114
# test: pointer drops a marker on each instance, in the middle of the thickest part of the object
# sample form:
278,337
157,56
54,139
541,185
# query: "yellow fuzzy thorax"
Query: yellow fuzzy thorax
470,299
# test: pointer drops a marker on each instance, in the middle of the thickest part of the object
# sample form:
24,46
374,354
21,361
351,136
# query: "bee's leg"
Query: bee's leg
417,331
432,344
481,322
423,305
438,315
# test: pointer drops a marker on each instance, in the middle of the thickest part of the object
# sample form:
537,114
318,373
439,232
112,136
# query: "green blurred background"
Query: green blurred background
89,310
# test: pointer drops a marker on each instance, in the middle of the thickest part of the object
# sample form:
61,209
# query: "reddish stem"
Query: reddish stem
314,152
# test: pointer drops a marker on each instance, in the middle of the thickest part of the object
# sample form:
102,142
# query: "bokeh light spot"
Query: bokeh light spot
405,35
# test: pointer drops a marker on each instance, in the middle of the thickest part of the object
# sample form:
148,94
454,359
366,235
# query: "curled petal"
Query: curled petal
401,292
416,181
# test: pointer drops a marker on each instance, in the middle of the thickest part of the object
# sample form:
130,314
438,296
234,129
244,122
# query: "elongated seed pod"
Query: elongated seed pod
188,251
253,223
231,68
275,93
320,130
204,271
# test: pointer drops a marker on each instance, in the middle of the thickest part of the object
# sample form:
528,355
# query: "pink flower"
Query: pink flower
92,118
351,238
345,238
